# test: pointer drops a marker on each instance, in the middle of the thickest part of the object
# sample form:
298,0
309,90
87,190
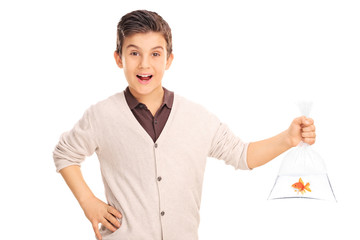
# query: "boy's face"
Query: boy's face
144,60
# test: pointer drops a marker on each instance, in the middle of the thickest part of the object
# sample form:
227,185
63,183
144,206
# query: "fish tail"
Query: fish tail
307,187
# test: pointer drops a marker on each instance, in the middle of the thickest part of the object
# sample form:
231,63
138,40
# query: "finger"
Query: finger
96,230
108,225
308,134
310,141
310,128
112,220
114,212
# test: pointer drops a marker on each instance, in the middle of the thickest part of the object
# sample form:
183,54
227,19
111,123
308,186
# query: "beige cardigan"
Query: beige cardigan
156,186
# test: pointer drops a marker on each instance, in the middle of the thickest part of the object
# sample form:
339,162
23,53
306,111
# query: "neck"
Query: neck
153,100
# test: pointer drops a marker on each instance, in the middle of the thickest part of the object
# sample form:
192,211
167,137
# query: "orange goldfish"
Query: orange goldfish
300,187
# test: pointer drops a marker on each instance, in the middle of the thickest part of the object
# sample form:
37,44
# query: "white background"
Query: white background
246,61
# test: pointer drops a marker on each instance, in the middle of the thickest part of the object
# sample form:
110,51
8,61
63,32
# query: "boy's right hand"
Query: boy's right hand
99,212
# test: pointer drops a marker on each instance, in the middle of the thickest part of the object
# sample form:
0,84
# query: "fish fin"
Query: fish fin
307,187
301,181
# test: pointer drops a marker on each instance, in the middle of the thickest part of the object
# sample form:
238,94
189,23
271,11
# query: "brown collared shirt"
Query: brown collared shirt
153,125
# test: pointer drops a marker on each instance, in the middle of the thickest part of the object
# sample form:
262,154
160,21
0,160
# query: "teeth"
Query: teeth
144,75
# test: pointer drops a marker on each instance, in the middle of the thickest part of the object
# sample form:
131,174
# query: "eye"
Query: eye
134,53
156,54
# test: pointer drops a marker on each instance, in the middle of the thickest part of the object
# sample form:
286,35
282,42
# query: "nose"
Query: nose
145,62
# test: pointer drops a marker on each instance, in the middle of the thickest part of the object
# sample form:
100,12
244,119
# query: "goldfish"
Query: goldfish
300,187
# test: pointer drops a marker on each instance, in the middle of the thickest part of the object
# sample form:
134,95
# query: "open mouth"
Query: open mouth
144,77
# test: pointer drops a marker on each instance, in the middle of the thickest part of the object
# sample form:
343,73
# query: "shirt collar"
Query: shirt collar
133,102
168,98
130,99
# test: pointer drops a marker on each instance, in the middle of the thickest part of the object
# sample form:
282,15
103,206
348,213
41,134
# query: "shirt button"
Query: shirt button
159,179
156,145
162,213
155,122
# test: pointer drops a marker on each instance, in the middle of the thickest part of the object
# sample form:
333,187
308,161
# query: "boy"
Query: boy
152,144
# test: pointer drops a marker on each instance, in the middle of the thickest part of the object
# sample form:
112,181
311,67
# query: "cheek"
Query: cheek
159,71
130,63
160,63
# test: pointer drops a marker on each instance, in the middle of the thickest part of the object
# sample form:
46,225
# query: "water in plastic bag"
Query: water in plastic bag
302,173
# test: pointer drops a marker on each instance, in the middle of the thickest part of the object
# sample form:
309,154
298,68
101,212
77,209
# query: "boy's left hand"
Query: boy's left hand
301,129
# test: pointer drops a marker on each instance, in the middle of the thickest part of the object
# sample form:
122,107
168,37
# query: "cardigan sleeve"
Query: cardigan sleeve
75,144
228,147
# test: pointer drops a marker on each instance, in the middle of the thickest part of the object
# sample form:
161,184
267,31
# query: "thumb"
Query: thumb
96,230
307,121
299,120
303,121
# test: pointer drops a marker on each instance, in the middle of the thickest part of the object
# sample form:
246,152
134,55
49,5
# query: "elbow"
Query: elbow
250,164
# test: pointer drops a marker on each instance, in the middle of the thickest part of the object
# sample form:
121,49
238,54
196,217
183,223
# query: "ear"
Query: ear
118,59
169,61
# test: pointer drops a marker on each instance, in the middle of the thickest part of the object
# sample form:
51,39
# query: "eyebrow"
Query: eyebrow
157,47
134,46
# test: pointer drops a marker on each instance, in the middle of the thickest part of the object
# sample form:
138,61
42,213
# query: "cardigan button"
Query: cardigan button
159,179
156,145
162,213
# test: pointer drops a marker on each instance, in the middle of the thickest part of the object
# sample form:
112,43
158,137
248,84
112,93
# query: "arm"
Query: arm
74,179
95,210
261,152
71,150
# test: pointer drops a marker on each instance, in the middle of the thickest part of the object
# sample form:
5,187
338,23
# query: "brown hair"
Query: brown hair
142,21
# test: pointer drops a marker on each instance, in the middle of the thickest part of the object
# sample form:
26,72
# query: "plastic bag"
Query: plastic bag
302,173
